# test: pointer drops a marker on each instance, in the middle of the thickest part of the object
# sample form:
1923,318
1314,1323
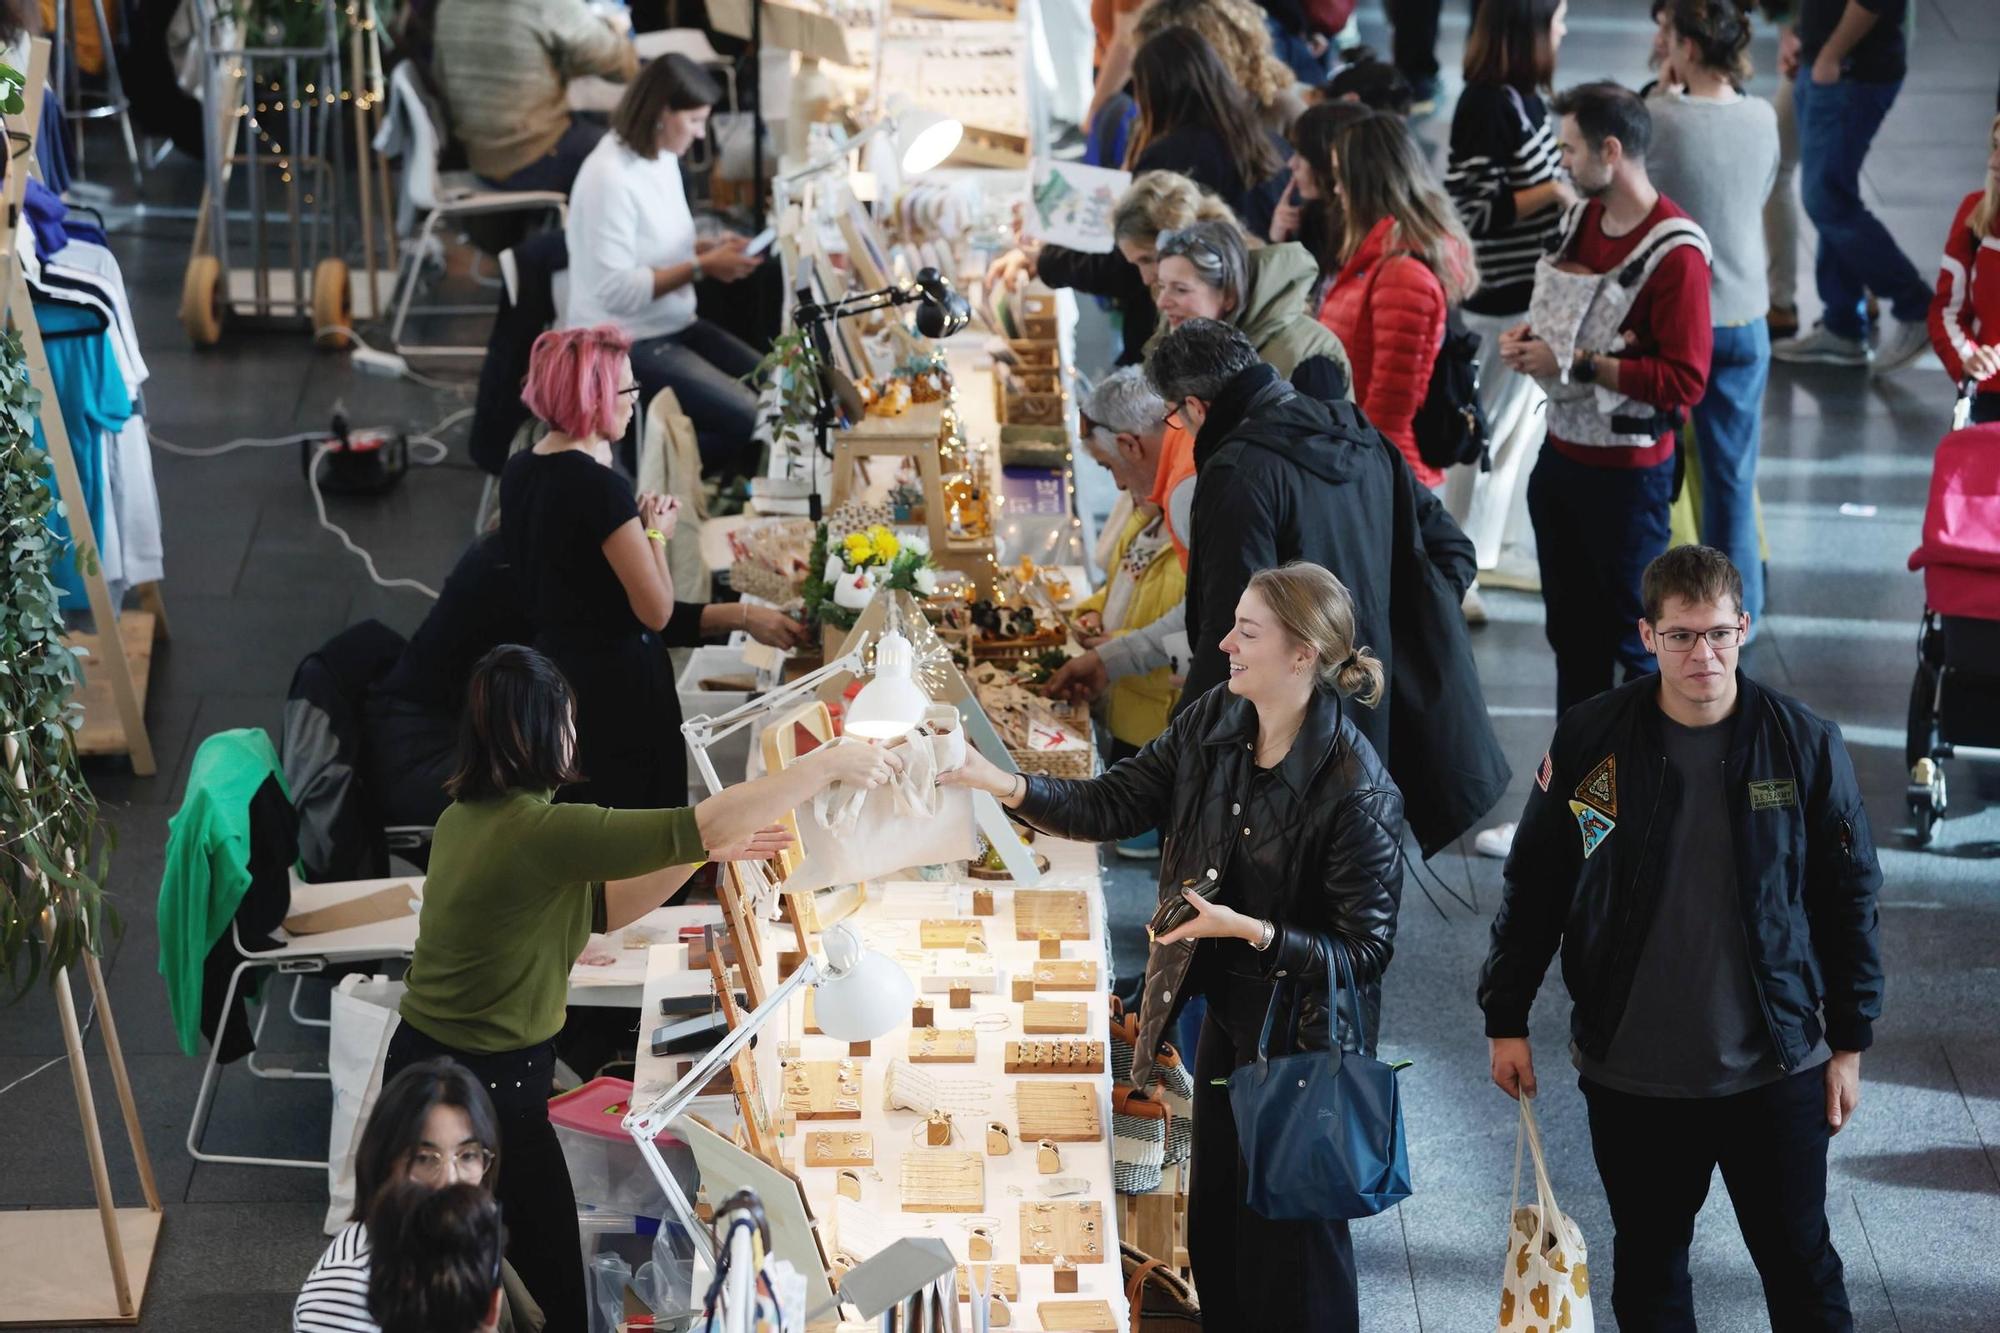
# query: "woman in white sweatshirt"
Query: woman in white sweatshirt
634,260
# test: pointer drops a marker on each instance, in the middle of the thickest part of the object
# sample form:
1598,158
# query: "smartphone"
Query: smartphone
761,242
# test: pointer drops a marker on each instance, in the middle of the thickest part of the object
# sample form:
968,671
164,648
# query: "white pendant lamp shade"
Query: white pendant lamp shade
926,138
891,703
863,994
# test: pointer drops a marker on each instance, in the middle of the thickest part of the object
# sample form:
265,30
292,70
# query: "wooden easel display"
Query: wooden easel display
119,654
49,1254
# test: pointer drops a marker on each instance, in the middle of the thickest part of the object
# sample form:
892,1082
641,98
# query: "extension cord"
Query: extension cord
371,362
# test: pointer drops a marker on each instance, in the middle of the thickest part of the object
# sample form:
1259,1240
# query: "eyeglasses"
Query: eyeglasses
630,391
428,1164
1170,243
1176,417
1721,638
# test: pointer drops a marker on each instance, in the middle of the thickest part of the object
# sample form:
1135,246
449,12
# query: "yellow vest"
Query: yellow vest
1137,707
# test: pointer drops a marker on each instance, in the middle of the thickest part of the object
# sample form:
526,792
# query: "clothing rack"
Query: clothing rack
47,1252
119,654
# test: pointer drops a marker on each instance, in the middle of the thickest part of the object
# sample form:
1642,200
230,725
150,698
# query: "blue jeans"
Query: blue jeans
1857,255
704,364
1596,529
1727,429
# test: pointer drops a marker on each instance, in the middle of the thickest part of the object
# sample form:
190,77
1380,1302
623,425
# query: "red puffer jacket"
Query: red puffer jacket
1388,310
1966,309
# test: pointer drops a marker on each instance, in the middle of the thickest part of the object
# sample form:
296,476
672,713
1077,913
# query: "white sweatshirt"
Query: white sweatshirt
627,216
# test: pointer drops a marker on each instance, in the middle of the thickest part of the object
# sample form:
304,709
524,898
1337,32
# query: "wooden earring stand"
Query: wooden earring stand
47,1252
120,653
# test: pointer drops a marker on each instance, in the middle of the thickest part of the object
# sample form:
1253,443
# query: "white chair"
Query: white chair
298,956
410,132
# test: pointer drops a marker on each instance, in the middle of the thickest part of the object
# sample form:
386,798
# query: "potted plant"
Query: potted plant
846,575
52,847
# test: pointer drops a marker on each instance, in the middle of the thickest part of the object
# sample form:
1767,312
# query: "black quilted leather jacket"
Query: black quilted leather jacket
1336,845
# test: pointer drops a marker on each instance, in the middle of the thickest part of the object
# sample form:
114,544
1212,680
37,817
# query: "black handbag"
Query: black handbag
1321,1132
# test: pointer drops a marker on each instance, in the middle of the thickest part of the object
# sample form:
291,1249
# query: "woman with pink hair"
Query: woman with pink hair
590,559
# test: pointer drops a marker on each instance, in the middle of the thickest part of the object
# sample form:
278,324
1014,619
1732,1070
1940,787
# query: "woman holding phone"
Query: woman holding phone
1283,837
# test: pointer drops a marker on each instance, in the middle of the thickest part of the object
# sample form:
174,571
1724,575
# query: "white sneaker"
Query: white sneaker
1495,842
1474,606
1900,345
1821,347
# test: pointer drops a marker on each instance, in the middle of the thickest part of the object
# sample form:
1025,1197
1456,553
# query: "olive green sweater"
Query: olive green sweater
514,886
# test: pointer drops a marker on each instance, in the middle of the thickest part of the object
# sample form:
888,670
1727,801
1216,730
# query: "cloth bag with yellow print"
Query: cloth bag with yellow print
1545,1286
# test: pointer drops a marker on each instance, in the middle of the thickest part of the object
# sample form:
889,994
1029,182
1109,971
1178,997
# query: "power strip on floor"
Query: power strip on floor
371,362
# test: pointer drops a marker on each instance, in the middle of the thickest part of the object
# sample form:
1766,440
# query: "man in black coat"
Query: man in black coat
1281,476
1696,846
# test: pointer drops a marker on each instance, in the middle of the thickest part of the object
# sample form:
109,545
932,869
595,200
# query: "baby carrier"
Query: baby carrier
1574,312
1955,699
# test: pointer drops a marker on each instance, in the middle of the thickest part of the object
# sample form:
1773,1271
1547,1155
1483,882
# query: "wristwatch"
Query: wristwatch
1583,369
695,265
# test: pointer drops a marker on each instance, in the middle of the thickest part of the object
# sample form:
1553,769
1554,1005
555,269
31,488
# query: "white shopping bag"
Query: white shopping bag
1545,1286
852,834
364,1018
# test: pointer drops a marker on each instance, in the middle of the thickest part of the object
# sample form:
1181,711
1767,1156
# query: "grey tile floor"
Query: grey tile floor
1915,1188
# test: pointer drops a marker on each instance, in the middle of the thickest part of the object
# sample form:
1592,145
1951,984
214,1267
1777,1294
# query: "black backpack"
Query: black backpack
1451,425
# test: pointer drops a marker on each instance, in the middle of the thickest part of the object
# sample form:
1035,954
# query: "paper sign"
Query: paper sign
1070,204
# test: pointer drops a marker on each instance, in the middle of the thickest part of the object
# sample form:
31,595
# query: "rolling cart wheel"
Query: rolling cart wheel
201,301
333,305
1923,821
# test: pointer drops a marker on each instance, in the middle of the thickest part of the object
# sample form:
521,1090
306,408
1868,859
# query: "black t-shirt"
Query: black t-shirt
478,609
1693,1026
556,510
1879,57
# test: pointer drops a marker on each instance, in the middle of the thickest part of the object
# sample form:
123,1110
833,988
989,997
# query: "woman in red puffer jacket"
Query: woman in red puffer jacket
1406,260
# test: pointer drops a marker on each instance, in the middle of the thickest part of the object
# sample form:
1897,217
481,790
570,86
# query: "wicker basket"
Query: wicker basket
1012,652
1080,762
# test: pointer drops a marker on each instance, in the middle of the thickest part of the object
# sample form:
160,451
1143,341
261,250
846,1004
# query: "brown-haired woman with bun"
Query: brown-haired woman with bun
1283,838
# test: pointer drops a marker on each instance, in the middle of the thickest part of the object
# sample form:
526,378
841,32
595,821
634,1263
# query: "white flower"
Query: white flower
836,568
916,544
853,591
926,581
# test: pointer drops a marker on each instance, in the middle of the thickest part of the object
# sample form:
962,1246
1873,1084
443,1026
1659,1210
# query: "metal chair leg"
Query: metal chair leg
114,83
211,1075
299,984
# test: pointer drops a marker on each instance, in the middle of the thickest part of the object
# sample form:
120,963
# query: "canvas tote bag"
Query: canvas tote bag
1545,1286
363,1011
852,834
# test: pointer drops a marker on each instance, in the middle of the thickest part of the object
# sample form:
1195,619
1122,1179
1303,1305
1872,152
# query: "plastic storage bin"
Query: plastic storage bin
605,1166
731,754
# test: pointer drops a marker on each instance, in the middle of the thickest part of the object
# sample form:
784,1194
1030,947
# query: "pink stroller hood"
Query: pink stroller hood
1960,554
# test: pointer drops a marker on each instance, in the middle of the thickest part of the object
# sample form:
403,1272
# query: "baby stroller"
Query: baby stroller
1955,699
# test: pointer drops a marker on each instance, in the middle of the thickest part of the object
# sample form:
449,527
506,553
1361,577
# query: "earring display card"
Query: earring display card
1059,1112
943,971
944,1046
1077,1316
1073,1230
822,1089
1005,1280
1055,1057
963,933
834,1148
1041,1018
1065,911
1065,974
943,1180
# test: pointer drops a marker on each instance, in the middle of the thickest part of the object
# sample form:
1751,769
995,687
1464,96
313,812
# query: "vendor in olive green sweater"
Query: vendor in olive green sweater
516,884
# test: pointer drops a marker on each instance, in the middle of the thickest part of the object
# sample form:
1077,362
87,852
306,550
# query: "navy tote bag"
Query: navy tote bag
1321,1132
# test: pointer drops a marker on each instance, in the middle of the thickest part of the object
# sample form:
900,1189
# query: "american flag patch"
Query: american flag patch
1545,772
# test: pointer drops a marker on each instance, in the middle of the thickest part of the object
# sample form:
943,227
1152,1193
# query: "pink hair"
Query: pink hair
574,377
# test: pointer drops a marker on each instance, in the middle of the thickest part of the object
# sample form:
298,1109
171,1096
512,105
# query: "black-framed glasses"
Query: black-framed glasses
631,391
1721,638
469,1164
1176,417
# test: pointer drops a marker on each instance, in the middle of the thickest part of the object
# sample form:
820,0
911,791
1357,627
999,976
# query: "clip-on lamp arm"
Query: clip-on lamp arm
646,1125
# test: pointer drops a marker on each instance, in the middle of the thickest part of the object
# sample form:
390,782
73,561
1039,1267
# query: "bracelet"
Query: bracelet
1014,794
657,537
1270,935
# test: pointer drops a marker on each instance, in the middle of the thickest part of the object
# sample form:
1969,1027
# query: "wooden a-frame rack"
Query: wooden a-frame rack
50,1254
118,657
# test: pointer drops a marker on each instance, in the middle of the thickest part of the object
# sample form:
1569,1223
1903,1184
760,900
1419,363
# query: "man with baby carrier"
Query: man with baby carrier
1697,847
1618,335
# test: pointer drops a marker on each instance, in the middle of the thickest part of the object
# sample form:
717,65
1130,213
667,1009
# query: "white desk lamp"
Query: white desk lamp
923,140
892,703
858,995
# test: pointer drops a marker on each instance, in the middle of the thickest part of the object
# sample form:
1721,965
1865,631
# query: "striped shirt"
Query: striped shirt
1502,142
334,1298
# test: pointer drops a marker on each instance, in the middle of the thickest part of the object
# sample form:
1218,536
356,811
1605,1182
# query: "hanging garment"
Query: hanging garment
95,406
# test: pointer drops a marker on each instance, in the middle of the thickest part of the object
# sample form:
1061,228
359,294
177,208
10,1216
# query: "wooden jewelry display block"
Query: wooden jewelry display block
1077,1316
813,1089
832,1148
1067,1228
953,933
1064,974
1065,911
1055,1057
1041,1018
1059,1112
943,1046
943,1180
